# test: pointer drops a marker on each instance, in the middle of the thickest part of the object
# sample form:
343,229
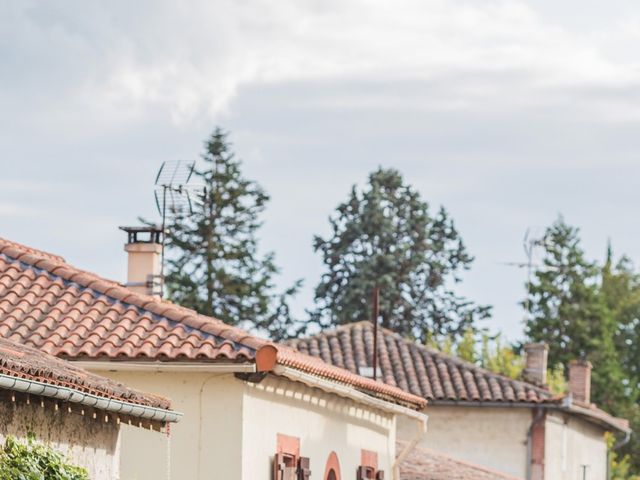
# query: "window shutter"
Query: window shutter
304,470
278,467
380,475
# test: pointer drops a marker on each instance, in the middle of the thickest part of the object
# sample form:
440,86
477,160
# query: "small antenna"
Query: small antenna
175,196
376,314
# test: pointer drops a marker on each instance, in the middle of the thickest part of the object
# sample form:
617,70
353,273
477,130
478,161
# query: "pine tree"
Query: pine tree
213,264
565,307
385,237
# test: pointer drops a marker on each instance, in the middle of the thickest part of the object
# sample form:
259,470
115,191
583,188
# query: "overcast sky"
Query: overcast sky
505,112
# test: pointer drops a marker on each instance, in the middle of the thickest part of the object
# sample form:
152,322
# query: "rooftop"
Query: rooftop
53,306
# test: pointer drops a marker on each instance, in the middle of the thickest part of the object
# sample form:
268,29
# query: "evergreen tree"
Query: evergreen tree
213,264
565,308
385,237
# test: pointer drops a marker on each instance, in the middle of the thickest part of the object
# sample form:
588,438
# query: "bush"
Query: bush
31,460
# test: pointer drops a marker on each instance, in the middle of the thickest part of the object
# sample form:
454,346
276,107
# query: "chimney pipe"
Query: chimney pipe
535,370
580,380
144,248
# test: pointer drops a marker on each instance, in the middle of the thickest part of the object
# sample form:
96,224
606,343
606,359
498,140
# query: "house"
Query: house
252,409
516,427
78,413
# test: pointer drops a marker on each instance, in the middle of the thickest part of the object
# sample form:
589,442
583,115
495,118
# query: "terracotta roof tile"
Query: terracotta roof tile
417,369
21,361
426,464
78,315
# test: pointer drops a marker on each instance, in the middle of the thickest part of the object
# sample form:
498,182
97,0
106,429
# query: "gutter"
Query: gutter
117,366
66,394
361,397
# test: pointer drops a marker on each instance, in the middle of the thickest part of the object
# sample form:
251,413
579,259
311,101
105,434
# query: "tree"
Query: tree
565,307
213,264
385,236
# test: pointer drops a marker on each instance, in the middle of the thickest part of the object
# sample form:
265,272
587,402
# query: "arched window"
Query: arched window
332,470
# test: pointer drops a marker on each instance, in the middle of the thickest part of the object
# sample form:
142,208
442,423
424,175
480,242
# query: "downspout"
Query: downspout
421,423
616,446
66,394
537,417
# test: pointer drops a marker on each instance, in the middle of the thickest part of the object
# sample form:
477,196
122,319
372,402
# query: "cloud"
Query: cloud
190,59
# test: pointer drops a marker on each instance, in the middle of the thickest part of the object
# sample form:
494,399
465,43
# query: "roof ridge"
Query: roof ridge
31,250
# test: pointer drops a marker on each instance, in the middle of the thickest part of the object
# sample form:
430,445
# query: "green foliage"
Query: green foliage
466,347
499,358
213,261
620,467
385,236
32,460
585,311
556,379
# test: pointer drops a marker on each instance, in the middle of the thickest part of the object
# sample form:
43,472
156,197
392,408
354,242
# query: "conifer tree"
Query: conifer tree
213,263
384,236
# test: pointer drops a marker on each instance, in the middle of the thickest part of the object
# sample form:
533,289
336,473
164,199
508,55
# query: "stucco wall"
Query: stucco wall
323,422
84,441
570,444
494,437
230,427
205,444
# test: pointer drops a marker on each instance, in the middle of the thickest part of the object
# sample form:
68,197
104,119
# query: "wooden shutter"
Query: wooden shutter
304,468
380,475
284,467
366,473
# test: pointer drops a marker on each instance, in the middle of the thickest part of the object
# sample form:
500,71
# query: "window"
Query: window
287,462
332,469
368,469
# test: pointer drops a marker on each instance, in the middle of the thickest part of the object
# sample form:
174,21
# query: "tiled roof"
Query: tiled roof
415,368
425,464
48,304
29,363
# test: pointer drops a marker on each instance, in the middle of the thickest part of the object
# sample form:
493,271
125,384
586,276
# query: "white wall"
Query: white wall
205,444
323,422
570,444
230,427
493,437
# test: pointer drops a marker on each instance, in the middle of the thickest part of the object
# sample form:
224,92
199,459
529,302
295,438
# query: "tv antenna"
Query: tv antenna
175,196
534,238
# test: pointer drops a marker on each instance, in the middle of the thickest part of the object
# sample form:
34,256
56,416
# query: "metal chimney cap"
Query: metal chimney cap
154,233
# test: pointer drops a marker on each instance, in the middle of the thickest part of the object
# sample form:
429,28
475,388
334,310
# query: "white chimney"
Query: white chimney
535,370
144,248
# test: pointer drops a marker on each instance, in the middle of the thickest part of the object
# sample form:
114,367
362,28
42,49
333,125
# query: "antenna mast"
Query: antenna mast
376,314
175,196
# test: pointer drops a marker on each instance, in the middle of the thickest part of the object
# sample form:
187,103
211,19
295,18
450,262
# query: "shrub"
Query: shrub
32,460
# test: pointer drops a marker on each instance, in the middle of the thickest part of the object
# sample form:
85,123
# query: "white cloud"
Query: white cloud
191,58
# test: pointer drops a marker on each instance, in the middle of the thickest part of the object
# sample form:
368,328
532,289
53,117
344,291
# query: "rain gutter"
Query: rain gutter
66,394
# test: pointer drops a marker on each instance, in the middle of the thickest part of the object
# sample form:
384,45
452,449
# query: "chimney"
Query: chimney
535,370
144,248
580,380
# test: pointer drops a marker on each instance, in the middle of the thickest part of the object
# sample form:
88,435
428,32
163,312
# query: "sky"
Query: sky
508,113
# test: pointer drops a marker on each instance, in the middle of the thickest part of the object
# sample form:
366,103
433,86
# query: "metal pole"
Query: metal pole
376,314
164,215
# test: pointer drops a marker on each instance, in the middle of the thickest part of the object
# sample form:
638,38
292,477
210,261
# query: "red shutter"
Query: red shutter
278,467
304,469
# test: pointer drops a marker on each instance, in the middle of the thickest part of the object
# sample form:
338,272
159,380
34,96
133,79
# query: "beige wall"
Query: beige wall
324,423
92,444
493,437
570,444
205,444
229,428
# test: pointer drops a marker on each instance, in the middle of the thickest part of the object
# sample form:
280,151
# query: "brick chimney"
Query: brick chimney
535,370
144,248
580,380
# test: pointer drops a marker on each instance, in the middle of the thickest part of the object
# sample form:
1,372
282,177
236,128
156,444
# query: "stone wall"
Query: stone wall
85,441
